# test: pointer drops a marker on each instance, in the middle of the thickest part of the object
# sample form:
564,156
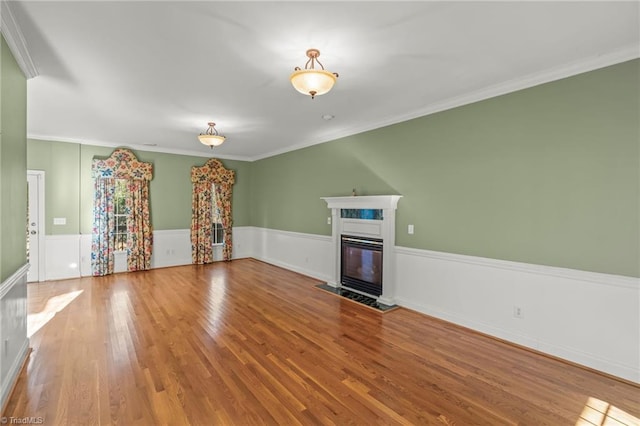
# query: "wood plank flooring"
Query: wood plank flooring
245,342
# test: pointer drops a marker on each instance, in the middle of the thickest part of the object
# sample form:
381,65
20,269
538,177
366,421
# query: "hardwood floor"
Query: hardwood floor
245,342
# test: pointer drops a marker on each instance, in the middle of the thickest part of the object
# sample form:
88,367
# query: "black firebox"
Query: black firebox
361,264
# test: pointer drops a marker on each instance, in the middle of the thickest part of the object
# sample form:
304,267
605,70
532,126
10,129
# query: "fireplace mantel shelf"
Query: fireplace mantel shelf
363,202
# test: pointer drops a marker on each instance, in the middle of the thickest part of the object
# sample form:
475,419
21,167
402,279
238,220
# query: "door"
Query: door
35,226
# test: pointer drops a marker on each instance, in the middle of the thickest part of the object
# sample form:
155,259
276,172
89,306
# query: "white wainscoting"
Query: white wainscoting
62,257
171,248
308,254
13,330
69,256
585,317
243,241
85,255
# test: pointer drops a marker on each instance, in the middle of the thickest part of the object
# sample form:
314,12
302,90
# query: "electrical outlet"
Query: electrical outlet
517,312
329,220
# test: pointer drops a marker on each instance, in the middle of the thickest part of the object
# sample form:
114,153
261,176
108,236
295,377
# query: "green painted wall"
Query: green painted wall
60,162
547,175
69,186
13,176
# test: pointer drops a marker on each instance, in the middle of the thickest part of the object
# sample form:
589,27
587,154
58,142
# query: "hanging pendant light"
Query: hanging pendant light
311,81
210,137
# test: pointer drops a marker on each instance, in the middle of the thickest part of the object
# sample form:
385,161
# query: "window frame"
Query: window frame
120,202
217,229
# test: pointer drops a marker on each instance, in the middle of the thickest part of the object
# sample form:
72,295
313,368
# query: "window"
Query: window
120,213
216,228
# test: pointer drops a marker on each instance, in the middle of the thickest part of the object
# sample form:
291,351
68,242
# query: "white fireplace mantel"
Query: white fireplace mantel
363,202
384,229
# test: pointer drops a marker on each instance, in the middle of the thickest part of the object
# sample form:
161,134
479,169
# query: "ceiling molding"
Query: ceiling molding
571,69
16,42
140,147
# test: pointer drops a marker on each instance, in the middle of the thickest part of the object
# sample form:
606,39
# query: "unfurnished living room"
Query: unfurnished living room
233,213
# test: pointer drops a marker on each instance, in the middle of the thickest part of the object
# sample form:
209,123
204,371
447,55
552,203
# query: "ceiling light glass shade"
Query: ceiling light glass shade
212,140
312,82
210,137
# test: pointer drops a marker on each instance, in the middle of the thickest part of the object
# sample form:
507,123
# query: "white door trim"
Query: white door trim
41,223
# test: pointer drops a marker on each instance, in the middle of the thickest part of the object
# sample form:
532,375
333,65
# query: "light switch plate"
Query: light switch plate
410,229
59,220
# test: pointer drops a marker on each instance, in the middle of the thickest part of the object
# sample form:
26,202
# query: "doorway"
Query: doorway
35,226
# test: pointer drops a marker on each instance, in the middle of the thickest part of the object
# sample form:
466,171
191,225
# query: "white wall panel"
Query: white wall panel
171,248
588,318
243,241
62,257
13,330
85,255
307,254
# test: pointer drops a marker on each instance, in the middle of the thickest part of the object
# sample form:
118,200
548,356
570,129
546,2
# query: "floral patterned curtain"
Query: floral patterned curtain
122,164
201,223
223,200
212,174
140,237
103,241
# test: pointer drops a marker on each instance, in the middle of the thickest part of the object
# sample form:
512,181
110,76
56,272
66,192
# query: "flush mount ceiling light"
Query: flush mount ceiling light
210,137
311,81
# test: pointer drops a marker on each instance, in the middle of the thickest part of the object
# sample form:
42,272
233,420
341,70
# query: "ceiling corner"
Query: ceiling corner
16,42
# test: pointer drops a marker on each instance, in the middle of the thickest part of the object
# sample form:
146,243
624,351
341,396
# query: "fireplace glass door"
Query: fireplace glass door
361,264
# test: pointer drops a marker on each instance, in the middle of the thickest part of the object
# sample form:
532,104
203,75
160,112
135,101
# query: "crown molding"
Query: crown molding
139,147
16,42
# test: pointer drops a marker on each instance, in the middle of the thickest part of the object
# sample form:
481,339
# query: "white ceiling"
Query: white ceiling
139,73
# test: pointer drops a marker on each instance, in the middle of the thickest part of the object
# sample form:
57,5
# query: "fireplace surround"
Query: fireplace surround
376,222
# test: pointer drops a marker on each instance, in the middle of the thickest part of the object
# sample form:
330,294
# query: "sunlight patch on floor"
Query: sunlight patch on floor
54,305
601,413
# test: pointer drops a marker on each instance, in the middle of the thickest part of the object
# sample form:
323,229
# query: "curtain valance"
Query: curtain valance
122,164
213,171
